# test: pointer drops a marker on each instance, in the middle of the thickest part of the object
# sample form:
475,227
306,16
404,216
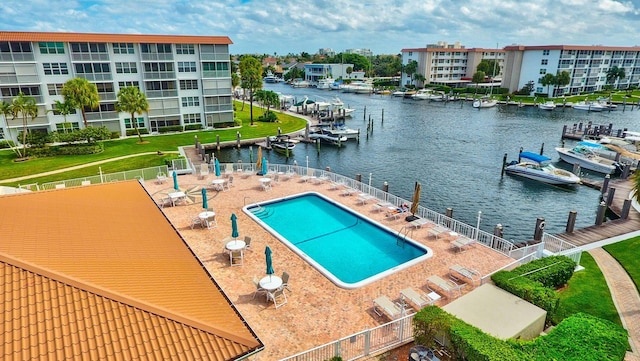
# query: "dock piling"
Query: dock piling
571,221
540,224
602,208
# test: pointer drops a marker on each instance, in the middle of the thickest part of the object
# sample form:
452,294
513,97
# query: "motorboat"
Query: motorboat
484,102
337,106
326,136
300,83
584,155
270,78
408,93
309,105
398,93
548,105
358,87
538,167
588,106
282,143
340,130
325,84
336,85
426,94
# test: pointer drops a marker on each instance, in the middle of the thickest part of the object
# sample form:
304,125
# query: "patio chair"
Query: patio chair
211,222
228,169
285,281
197,221
418,300
247,243
384,306
236,258
161,178
164,201
278,297
450,287
204,171
259,289
349,191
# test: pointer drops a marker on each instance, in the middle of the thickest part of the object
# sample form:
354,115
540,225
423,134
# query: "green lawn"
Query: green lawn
626,254
587,292
169,142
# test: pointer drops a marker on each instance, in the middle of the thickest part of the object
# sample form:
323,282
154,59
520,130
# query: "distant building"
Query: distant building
586,65
326,52
315,72
187,79
448,64
364,52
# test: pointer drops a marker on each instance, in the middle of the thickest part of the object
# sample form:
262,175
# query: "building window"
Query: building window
543,71
188,84
123,84
15,47
55,89
156,48
411,53
51,48
92,48
190,101
126,68
129,125
185,49
191,118
89,68
122,48
545,52
56,112
539,90
186,66
55,69
65,127
544,62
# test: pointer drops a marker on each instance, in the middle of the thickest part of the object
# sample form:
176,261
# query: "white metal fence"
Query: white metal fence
140,174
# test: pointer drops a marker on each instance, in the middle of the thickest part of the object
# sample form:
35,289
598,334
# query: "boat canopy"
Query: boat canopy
591,144
535,157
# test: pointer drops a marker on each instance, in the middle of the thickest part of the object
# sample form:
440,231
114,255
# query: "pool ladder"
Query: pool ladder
403,234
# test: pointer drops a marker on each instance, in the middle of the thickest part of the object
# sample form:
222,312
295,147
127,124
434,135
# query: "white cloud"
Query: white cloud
292,26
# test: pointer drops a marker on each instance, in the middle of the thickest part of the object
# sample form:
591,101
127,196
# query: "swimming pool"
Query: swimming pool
349,249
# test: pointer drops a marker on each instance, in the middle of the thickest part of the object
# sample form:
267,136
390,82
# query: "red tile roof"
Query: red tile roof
111,38
98,272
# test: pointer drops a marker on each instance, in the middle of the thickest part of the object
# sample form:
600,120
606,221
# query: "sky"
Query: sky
385,27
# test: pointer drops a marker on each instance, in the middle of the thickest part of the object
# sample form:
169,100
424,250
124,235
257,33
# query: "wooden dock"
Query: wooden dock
579,131
608,229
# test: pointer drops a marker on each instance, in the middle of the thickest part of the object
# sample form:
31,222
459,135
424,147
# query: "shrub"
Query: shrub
268,117
115,135
532,291
67,149
131,132
193,126
171,128
7,144
552,272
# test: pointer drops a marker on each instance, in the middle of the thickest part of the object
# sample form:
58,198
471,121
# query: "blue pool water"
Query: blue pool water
347,248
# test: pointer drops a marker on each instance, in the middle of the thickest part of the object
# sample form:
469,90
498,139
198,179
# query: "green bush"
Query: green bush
115,135
268,117
7,144
532,291
552,272
131,132
193,126
67,149
171,128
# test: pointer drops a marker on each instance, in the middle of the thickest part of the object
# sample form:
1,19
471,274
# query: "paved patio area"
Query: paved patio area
317,311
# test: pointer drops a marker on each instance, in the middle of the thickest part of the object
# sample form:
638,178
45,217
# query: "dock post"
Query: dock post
364,116
238,139
498,231
571,221
542,149
564,131
537,233
504,164
318,145
610,195
626,206
602,208
218,142
359,178
625,171
385,187
605,184
520,152
449,213
268,141
382,121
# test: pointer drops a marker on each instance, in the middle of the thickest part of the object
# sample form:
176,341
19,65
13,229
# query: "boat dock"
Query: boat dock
578,131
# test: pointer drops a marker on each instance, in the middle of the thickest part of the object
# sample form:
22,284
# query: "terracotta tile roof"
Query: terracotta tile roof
98,272
112,38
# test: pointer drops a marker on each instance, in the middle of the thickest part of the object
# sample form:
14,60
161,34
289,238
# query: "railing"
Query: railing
558,246
365,343
140,174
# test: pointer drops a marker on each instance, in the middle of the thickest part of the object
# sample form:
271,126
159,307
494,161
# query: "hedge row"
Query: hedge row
131,132
553,272
578,337
67,149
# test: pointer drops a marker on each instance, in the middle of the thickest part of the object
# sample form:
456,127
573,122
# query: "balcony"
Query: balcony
159,75
161,93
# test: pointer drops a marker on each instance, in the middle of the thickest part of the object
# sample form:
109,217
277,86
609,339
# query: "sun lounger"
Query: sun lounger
348,191
447,286
396,213
384,306
462,273
436,231
418,223
418,300
363,198
461,242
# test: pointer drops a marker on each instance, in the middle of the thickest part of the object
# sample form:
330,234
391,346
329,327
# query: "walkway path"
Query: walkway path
30,176
625,297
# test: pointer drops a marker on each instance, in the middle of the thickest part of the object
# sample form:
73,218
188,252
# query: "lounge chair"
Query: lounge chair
459,273
308,177
460,242
349,191
397,213
436,231
364,198
418,300
449,287
418,223
384,306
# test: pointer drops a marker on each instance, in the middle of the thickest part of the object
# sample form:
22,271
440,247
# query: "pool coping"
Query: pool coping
329,275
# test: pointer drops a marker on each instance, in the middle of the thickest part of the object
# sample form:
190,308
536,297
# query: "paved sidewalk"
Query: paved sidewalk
625,297
18,179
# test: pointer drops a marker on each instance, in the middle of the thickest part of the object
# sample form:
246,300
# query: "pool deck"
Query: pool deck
317,311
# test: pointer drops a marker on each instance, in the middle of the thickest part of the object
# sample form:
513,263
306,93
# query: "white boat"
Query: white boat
325,83
484,102
270,78
398,93
337,106
538,167
300,83
339,130
426,94
607,105
282,143
588,106
358,88
336,85
584,155
309,105
548,105
327,137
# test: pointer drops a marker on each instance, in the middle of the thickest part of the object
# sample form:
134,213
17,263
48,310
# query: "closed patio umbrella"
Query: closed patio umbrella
216,167
416,198
259,159
175,181
267,254
234,226
205,201
264,166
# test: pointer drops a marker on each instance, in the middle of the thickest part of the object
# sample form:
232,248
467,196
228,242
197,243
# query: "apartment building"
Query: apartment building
586,65
187,79
448,64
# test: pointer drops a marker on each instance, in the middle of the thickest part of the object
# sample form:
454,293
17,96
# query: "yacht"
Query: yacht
548,105
426,94
484,102
325,83
588,106
300,83
538,167
338,107
584,155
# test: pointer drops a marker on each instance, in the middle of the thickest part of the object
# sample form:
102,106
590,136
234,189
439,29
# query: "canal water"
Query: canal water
455,152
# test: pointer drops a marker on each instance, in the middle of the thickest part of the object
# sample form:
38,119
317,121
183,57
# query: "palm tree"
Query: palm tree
635,181
548,80
132,101
419,78
5,111
64,109
614,74
81,94
24,106
478,77
410,69
251,76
